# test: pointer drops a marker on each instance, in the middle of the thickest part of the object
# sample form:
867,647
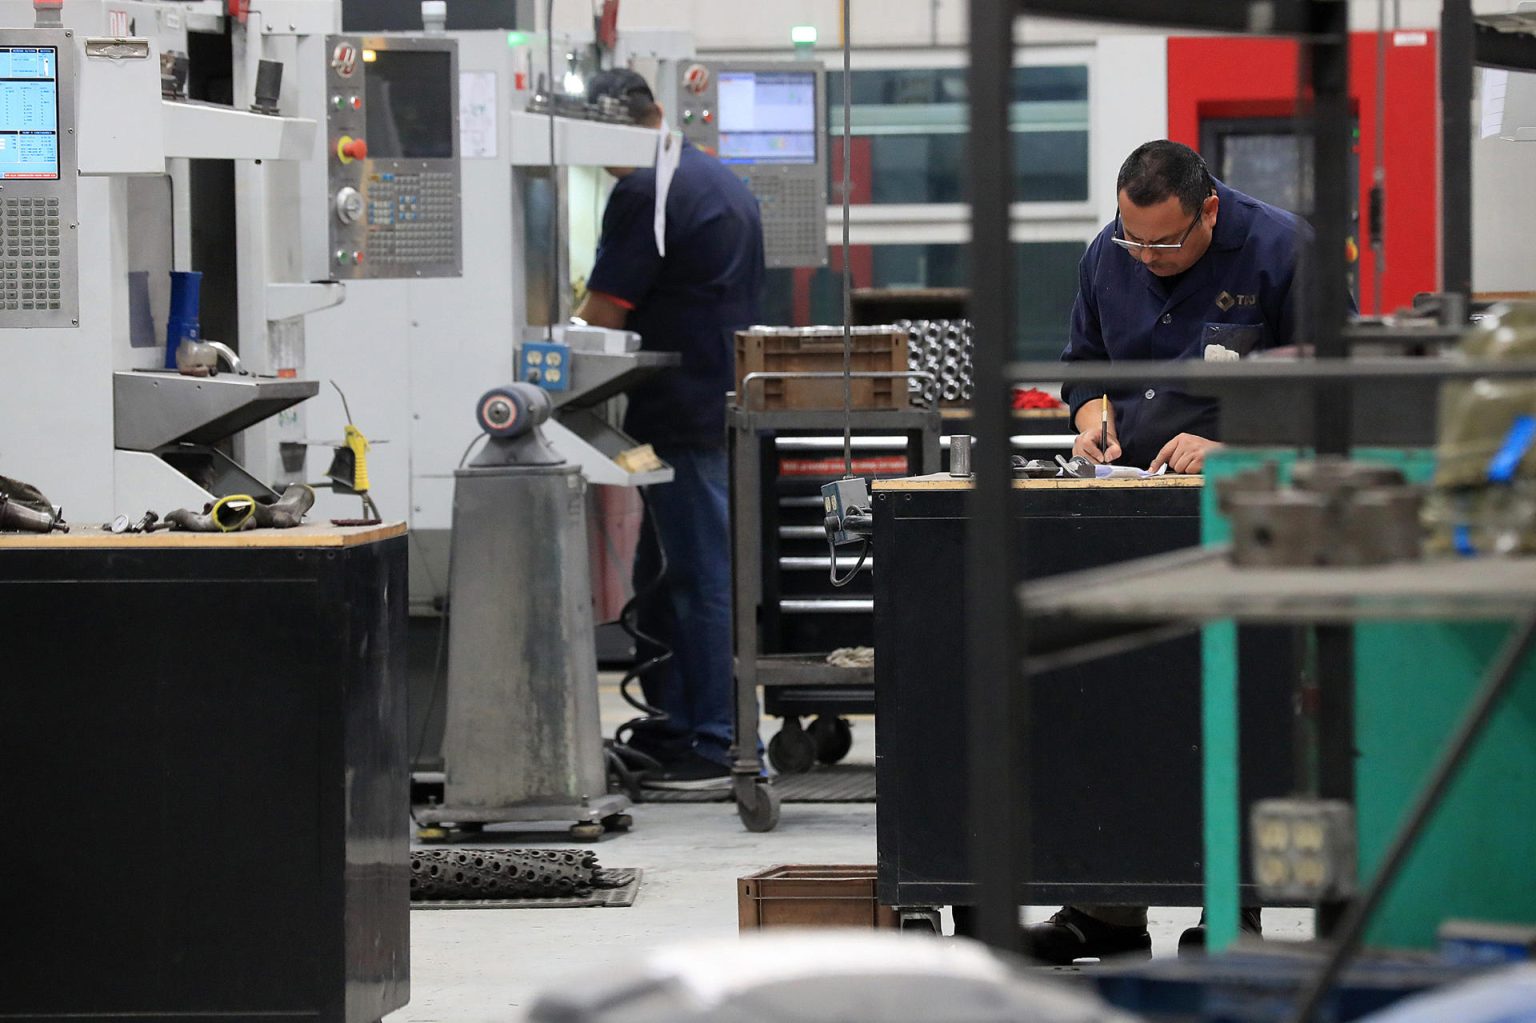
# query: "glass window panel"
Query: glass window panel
1046,273
909,128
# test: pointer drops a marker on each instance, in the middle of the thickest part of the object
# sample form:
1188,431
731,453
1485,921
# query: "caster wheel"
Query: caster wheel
586,832
618,822
833,737
920,920
759,809
792,751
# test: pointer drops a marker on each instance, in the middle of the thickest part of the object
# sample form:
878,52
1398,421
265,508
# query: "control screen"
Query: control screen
29,112
411,114
767,117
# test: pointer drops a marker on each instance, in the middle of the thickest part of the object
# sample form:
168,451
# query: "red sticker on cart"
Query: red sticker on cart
882,465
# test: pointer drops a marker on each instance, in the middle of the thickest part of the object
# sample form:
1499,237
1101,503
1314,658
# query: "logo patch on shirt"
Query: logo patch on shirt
1226,300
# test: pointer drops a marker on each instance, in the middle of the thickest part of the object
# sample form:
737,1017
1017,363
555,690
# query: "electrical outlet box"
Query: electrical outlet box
843,500
1304,850
546,364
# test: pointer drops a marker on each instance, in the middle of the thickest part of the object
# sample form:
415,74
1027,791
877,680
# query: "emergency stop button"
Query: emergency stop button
349,149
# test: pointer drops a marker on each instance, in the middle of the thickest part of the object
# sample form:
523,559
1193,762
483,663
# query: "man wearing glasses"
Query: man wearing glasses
1187,263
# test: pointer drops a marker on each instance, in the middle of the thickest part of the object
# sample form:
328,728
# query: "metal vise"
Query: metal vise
1337,512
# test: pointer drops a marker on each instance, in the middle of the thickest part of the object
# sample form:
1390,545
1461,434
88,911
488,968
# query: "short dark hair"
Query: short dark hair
626,86
1156,170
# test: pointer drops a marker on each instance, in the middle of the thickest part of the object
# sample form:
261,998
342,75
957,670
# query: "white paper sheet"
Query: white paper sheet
477,115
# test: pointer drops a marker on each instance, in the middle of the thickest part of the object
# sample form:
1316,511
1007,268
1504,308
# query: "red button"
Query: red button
357,103
708,117
357,149
357,257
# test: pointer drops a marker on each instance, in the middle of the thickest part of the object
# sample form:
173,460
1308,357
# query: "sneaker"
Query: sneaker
691,772
1192,941
1072,934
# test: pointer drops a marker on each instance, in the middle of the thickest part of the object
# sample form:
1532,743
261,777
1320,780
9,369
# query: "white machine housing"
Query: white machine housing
412,354
131,227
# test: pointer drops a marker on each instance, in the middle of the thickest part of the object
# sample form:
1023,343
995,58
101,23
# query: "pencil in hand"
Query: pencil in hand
1104,428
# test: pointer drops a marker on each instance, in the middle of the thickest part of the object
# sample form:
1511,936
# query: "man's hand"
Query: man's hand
1185,453
1086,443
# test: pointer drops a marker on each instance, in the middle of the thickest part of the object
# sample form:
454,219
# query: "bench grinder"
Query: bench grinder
522,738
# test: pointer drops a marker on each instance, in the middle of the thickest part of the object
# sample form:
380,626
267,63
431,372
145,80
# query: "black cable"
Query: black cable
1501,675
344,407
470,447
627,622
438,660
832,570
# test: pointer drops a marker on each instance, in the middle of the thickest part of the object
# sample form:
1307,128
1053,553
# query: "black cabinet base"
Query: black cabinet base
205,753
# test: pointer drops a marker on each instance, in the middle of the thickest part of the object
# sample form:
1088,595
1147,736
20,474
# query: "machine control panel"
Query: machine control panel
39,253
392,141
766,120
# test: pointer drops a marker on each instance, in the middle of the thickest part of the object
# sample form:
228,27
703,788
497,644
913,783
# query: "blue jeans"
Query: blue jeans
690,612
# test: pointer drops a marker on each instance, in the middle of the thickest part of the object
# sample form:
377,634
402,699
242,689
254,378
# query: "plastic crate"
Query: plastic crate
820,350
838,895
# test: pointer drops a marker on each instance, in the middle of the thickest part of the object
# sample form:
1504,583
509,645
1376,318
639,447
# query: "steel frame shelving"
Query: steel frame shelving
997,672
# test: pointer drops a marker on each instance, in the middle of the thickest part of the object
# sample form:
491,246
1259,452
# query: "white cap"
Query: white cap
434,13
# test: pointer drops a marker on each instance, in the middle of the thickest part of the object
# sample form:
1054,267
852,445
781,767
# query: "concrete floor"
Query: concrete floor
479,966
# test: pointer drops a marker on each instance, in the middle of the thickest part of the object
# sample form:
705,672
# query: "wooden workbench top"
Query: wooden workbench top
96,538
944,481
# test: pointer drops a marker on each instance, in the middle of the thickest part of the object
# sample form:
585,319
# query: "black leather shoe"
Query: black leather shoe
1192,941
1072,934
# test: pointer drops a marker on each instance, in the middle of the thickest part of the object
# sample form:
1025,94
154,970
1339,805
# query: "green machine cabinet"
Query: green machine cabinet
1413,683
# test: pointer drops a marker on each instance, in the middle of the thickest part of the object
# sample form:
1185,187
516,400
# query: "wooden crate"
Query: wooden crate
812,895
820,350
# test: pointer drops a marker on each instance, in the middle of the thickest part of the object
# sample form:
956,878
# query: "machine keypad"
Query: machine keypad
793,228
30,232
412,218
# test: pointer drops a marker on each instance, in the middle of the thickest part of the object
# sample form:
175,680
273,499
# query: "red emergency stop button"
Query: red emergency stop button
349,149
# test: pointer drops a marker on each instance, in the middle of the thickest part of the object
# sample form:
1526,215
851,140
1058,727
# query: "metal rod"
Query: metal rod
1335,737
1500,677
996,690
1379,171
554,176
1326,55
1456,68
847,254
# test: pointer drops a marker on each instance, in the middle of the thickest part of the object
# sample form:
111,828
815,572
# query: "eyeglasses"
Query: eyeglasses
1136,248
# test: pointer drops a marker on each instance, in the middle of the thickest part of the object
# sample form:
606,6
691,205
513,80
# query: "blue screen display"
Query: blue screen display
768,116
29,112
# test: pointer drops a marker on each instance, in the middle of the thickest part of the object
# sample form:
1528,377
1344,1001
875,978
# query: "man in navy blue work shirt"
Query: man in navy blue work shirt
691,301
1188,263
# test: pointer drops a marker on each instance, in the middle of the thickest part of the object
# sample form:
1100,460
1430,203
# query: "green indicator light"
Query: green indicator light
803,35
517,38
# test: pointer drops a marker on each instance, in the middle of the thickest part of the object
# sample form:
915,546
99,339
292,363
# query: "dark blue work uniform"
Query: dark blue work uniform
693,301
1237,295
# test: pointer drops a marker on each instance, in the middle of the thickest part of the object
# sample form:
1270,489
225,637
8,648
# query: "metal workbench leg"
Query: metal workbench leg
1222,800
756,803
923,450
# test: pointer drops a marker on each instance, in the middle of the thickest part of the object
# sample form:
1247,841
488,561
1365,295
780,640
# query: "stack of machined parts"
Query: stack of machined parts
942,348
490,873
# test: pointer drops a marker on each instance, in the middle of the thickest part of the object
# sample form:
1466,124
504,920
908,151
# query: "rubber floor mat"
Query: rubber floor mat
842,783
626,880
